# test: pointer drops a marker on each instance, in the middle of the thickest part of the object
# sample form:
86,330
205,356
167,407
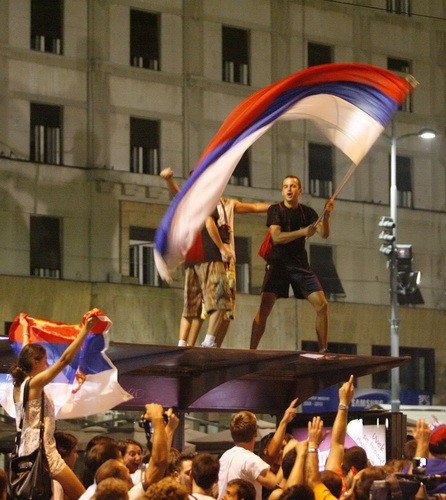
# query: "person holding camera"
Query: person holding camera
429,463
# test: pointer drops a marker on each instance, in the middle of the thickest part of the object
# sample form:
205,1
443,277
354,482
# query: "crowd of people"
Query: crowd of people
277,467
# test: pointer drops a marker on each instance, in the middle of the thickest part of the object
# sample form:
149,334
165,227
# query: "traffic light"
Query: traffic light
387,236
408,280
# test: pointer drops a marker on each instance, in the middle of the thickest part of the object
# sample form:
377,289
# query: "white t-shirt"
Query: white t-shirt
238,463
135,493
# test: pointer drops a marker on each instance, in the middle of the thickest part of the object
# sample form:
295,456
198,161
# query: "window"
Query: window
142,262
144,40
241,174
338,347
242,261
321,261
235,55
401,67
46,25
46,136
416,374
319,54
404,181
144,146
45,246
320,159
399,7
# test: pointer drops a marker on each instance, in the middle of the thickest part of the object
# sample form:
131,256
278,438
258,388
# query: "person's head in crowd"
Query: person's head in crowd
113,468
132,453
263,447
243,427
204,471
409,449
297,492
239,489
3,484
437,442
355,460
183,469
288,462
166,489
111,489
66,445
96,456
332,481
100,438
30,357
171,461
363,481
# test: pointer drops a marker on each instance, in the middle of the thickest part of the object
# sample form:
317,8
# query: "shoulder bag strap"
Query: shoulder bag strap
24,402
42,416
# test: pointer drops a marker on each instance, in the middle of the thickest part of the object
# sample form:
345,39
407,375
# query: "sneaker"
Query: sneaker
214,344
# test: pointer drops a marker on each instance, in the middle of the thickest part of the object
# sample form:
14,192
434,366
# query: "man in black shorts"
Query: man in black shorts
289,224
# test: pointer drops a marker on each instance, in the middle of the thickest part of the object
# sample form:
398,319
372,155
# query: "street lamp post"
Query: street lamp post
393,263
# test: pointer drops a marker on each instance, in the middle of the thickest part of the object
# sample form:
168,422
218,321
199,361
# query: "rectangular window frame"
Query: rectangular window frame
45,246
402,7
318,53
46,31
242,172
141,256
243,264
46,133
323,265
144,146
410,370
402,67
235,55
145,51
337,347
320,169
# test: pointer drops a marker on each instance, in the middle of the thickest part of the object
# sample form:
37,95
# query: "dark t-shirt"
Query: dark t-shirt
290,219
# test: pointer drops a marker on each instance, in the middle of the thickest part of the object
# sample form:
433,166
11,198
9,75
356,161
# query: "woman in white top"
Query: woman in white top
32,364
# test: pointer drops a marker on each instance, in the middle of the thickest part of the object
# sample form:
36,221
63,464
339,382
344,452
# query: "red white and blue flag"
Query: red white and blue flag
89,384
350,103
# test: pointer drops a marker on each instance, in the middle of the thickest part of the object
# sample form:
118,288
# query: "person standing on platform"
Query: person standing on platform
192,320
290,223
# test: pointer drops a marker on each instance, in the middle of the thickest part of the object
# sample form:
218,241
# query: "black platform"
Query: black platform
199,379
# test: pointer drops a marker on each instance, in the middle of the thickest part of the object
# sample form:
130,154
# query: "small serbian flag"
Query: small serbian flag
89,384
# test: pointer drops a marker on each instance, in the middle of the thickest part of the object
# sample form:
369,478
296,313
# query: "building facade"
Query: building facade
98,95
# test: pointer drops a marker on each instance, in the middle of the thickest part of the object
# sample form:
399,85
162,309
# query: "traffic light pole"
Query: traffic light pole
394,320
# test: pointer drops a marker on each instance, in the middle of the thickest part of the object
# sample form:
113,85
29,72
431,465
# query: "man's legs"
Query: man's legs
320,305
267,301
216,298
189,330
223,330
191,321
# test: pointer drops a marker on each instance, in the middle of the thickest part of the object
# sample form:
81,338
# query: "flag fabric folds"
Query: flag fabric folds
86,386
350,103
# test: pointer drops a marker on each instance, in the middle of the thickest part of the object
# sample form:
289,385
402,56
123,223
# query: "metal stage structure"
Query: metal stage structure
226,380
203,379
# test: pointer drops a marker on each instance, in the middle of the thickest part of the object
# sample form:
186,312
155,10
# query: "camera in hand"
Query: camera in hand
146,424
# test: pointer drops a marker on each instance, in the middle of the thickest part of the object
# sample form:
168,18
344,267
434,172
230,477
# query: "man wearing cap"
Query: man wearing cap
431,445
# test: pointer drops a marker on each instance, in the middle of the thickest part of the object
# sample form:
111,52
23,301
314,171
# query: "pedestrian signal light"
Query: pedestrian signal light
387,236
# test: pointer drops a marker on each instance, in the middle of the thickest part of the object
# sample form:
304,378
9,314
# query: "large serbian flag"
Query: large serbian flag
86,386
350,103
